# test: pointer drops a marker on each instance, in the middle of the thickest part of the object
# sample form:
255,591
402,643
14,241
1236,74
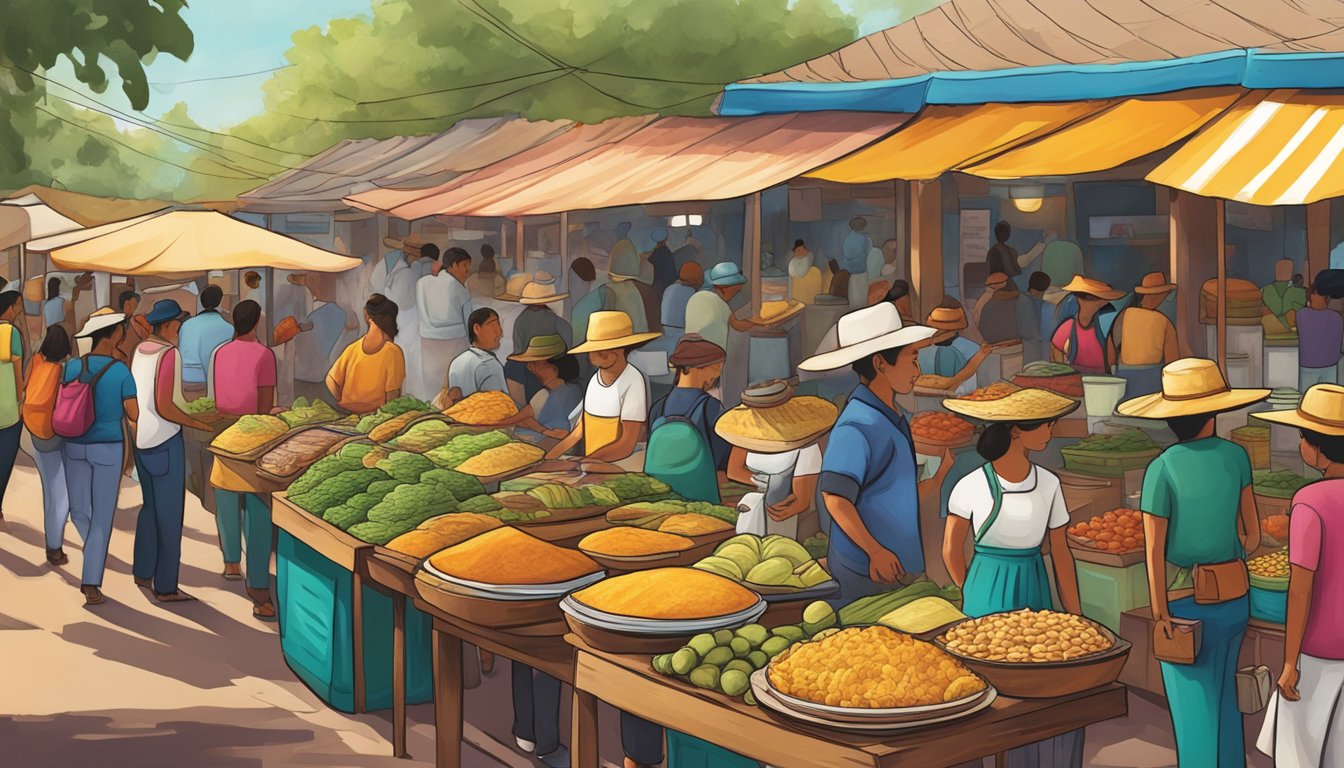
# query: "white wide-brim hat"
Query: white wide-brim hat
98,322
865,332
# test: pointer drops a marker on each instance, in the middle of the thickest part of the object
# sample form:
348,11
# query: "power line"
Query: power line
225,77
457,88
427,118
124,145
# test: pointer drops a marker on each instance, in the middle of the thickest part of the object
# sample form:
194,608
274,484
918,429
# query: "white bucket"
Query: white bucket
1101,394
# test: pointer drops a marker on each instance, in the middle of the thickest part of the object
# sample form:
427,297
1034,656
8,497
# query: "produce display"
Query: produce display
483,408
463,447
934,381
693,524
1280,483
335,490
1271,566
922,615
995,391
349,457
816,545
1275,526
509,556
625,541
426,436
1027,637
773,561
724,660
201,405
1056,377
874,608
872,668
462,487
298,451
405,507
483,504
249,433
403,465
795,419
304,412
392,427
355,509
442,532
1119,530
502,459
689,518
668,594
1126,441
392,409
937,426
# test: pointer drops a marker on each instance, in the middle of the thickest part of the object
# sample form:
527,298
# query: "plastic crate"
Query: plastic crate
1106,591
317,632
1269,605
689,752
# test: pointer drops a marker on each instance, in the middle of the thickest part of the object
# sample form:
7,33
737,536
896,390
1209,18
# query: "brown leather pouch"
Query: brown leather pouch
1183,645
1221,582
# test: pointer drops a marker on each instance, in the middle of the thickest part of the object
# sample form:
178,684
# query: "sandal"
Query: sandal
233,572
92,595
264,612
144,583
173,597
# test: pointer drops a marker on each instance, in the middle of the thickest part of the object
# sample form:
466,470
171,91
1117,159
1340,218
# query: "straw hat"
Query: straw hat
996,280
1080,284
1023,405
1321,410
947,319
100,319
541,290
1154,282
865,332
611,330
1191,386
513,288
413,240
540,349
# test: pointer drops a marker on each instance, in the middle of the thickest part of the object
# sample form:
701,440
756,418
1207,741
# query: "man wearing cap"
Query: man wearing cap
869,480
1309,726
708,313
1081,341
699,366
537,319
664,267
444,305
1142,339
616,402
94,458
952,355
1199,515
556,372
996,310
160,459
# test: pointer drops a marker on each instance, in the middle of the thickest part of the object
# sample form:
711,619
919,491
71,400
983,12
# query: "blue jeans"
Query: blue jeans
641,740
536,708
1202,696
50,459
9,451
158,530
240,515
92,478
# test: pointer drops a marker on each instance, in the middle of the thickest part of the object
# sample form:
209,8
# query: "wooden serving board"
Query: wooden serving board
334,544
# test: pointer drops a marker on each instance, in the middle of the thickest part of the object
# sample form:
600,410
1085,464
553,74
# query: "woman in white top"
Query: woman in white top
1010,507
787,483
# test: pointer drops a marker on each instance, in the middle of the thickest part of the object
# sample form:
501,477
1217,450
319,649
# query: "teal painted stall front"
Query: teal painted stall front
689,752
316,635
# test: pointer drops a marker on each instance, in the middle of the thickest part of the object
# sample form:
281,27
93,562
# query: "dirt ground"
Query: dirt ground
204,685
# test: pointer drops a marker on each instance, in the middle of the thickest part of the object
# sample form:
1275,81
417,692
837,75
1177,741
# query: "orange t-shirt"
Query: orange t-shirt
39,397
364,379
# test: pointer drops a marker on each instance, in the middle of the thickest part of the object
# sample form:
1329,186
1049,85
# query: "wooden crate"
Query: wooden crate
1256,442
1107,464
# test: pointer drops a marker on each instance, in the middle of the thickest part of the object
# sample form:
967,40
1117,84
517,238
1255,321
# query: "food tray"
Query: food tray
658,627
286,480
930,447
513,616
1089,554
1107,464
218,423
1049,679
765,696
661,560
248,472
862,714
795,309
255,453
517,591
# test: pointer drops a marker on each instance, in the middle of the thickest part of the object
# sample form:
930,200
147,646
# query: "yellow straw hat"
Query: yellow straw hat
1023,405
1080,284
541,290
947,319
1321,410
611,330
1190,386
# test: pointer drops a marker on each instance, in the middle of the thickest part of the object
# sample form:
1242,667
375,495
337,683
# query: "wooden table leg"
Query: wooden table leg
447,700
399,676
583,746
1001,760
357,609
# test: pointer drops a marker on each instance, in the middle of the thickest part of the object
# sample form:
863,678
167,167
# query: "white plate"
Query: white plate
766,698
519,591
653,627
894,714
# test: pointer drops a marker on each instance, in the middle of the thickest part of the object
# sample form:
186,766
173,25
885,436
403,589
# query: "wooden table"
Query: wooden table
391,576
629,684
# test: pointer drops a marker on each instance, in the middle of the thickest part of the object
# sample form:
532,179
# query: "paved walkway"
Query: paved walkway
136,683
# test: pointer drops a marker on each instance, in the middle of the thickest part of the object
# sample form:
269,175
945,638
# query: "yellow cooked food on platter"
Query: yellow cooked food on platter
1271,566
483,408
510,556
505,458
799,418
249,433
872,668
627,541
442,531
1027,637
1025,404
668,594
692,524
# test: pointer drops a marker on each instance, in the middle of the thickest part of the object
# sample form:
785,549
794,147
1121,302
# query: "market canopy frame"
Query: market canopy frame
27,218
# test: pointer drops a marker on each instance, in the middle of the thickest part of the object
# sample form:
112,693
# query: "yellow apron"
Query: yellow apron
599,432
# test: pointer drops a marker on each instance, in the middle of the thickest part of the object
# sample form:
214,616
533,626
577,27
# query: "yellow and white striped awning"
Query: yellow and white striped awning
1283,147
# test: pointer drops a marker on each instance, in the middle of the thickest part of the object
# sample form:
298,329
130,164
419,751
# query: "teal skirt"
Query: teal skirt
1005,580
1202,697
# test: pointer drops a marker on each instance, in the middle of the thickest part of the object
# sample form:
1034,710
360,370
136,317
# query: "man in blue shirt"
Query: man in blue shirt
199,338
869,479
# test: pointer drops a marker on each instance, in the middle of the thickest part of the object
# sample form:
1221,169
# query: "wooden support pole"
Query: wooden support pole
902,203
520,257
1318,239
926,245
751,261
1193,222
1222,286
562,279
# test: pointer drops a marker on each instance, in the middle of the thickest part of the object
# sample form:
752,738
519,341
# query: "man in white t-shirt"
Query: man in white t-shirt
616,403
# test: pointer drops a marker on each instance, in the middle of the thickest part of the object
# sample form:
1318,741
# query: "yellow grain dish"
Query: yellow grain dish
692,524
1027,637
796,419
483,408
872,668
1272,566
443,531
668,594
626,541
505,458
249,433
1025,403
933,381
509,556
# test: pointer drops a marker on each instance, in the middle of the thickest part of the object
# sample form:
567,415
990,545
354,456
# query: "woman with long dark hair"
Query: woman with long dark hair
1010,509
39,402
372,370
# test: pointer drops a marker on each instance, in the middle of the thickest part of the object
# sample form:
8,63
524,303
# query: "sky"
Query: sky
238,37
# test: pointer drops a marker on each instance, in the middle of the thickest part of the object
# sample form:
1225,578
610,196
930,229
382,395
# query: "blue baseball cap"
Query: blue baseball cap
165,310
658,235
724,274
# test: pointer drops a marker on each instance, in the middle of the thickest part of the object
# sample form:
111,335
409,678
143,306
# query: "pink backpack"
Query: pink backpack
74,413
